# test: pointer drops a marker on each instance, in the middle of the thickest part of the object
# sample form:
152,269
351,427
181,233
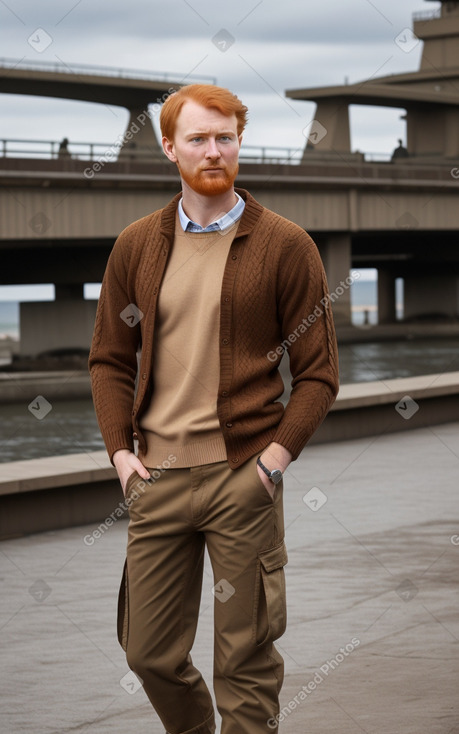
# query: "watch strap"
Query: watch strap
262,466
268,473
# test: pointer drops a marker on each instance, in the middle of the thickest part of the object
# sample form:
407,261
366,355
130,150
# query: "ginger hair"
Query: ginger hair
207,95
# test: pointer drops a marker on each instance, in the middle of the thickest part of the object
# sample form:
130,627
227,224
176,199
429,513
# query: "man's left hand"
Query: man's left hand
273,457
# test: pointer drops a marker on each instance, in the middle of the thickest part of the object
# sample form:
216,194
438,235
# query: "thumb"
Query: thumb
141,470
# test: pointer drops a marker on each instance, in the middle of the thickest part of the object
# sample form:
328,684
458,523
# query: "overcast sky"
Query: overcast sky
274,45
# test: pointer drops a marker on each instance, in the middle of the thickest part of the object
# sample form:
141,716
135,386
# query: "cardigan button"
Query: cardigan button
235,460
224,394
234,257
144,376
226,299
229,425
225,341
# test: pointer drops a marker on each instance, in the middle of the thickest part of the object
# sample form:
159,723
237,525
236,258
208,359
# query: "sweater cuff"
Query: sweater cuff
122,439
294,437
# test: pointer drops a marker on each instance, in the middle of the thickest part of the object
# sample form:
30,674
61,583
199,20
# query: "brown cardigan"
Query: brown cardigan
274,293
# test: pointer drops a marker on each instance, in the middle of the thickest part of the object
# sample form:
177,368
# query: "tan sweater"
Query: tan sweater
273,297
182,416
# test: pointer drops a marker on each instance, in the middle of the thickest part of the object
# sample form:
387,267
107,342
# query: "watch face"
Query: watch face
276,476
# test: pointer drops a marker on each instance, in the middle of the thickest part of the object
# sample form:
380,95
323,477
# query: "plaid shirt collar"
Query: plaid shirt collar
221,224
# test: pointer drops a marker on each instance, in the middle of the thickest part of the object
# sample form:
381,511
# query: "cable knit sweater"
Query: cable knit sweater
274,297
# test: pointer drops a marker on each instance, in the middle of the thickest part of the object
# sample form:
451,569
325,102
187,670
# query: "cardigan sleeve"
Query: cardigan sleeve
308,335
113,355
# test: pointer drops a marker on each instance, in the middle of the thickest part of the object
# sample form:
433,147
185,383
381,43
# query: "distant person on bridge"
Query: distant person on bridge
400,151
64,149
199,301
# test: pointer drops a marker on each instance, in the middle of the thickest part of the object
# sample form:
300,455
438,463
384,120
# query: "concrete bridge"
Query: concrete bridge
60,213
135,90
58,222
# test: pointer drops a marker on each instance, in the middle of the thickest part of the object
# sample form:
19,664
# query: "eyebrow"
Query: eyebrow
207,132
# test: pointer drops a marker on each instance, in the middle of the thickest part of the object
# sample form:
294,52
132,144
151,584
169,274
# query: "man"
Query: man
213,288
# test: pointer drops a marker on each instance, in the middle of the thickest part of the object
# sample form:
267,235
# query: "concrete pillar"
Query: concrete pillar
451,144
55,325
330,131
69,291
431,295
140,140
386,297
433,131
440,35
336,252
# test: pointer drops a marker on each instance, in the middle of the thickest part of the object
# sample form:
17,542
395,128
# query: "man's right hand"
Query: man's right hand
125,464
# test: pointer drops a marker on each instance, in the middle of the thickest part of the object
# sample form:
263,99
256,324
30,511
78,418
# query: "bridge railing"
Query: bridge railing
110,152
90,70
427,14
52,149
49,149
267,154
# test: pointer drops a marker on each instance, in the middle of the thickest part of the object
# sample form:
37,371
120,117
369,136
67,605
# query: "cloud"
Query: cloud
357,22
277,46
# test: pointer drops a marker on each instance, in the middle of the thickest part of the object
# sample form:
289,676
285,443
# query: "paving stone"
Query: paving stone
372,640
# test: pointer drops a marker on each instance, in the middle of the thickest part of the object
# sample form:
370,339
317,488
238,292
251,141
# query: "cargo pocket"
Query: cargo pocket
270,610
123,609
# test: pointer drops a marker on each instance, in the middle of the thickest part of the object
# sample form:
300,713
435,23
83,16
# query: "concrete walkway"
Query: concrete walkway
372,641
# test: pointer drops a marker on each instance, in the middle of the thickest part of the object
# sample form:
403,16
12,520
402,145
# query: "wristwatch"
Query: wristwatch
275,475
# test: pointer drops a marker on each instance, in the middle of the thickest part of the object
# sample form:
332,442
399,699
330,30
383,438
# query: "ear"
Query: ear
168,147
240,139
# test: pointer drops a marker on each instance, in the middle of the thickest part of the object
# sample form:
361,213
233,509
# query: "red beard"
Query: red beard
210,184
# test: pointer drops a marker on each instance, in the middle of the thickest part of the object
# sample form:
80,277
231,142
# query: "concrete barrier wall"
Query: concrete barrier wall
62,491
374,408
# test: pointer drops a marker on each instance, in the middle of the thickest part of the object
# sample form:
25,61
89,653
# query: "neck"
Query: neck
206,209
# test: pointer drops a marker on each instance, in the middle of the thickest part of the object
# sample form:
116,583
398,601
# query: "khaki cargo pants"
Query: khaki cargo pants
171,520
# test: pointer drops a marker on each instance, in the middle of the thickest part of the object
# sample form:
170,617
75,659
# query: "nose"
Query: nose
212,150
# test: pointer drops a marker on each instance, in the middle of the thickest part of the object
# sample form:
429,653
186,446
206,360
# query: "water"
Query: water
9,319
407,358
71,426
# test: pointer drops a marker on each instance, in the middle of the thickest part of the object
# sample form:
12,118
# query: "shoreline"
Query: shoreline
346,334
66,377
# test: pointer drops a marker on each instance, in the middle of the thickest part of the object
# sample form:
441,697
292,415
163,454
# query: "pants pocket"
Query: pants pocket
265,492
123,609
129,483
270,609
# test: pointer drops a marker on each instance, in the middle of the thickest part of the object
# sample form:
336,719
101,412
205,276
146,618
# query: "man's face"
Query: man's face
205,148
